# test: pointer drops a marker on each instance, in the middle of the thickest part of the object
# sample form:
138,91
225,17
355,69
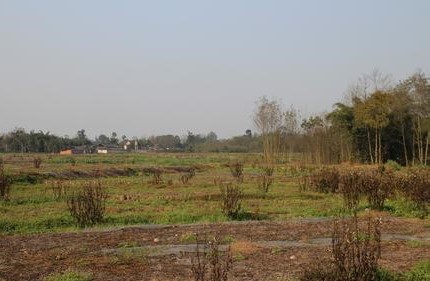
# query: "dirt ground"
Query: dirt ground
261,250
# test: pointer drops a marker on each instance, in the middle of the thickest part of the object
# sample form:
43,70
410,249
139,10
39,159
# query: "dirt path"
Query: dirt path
261,250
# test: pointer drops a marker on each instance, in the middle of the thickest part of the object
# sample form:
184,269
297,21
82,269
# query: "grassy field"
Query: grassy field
39,233
134,199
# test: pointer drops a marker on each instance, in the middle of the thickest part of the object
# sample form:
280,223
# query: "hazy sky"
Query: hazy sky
153,67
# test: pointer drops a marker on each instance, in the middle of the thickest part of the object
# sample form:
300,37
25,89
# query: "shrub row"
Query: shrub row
376,184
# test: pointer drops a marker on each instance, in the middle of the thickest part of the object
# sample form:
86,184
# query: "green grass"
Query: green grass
420,272
69,276
134,200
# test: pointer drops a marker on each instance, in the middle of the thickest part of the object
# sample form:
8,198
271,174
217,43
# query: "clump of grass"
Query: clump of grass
231,195
420,272
87,206
5,183
210,263
69,275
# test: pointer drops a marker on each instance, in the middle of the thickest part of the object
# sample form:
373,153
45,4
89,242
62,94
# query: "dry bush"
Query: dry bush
416,186
231,196
304,173
156,174
351,185
303,183
60,188
37,161
210,263
5,183
87,206
324,179
378,185
265,179
355,252
236,170
185,178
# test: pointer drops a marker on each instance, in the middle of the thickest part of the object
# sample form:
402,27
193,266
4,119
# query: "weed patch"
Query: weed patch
231,195
87,206
210,263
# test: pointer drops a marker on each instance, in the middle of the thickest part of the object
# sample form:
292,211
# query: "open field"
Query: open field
261,250
279,233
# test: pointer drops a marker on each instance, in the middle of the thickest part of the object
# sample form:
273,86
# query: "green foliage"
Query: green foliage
391,164
385,275
131,201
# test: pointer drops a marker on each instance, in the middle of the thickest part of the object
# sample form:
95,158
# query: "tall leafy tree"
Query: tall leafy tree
373,114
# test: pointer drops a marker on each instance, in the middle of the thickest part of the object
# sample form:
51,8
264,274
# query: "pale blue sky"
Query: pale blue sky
152,67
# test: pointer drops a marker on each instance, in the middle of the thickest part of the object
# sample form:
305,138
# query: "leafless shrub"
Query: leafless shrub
210,263
97,173
265,179
185,178
236,170
303,183
220,180
60,188
304,173
87,206
416,186
37,161
355,252
5,183
156,174
324,179
351,185
231,195
378,185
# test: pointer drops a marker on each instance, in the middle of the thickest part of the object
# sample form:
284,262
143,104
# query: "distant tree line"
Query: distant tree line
21,141
379,121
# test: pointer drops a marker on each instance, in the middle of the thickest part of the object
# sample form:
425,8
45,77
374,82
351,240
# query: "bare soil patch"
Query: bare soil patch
261,250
